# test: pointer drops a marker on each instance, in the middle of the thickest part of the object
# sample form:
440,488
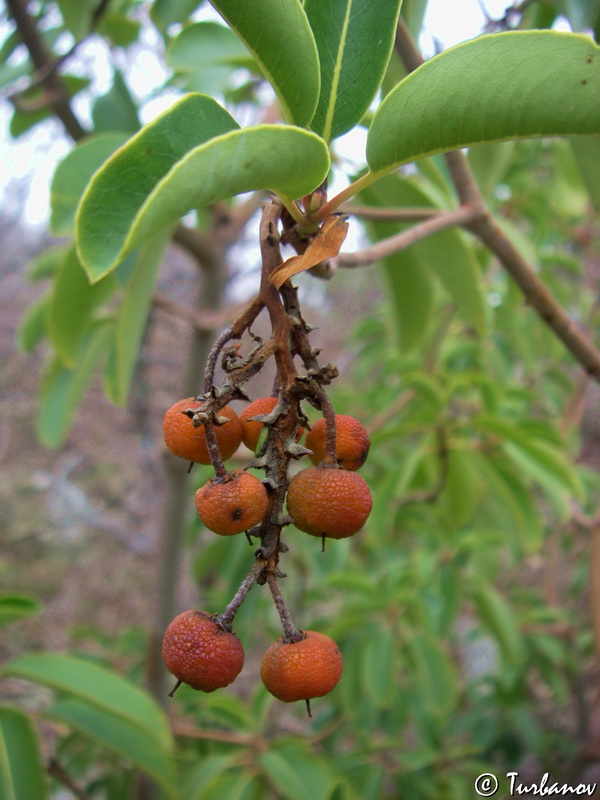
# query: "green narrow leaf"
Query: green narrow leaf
463,488
498,618
297,772
502,86
413,13
489,163
587,155
22,773
16,606
378,667
116,110
47,263
436,676
113,219
354,39
95,686
122,736
33,325
72,176
72,300
22,121
279,37
133,314
62,389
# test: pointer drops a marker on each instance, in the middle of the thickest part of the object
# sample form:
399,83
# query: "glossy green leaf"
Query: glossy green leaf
119,190
72,300
287,160
166,12
16,606
72,176
133,315
123,736
501,86
33,326
116,110
22,773
354,39
62,388
582,14
279,37
95,686
435,675
205,54
498,618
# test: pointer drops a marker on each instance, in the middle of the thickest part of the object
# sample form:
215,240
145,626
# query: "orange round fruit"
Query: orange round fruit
251,429
302,670
186,441
351,441
232,504
200,653
325,501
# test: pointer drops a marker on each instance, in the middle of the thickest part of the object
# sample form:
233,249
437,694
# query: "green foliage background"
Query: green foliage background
452,642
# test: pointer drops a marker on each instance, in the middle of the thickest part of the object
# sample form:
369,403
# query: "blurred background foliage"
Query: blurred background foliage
463,608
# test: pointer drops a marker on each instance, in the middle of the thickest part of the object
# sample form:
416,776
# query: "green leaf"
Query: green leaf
113,219
118,190
62,388
413,13
47,263
72,176
501,86
33,325
463,487
205,54
587,155
378,661
97,687
77,15
133,314
119,29
17,606
116,110
435,674
22,773
490,163
296,772
582,14
123,736
498,618
279,37
166,12
72,301
354,39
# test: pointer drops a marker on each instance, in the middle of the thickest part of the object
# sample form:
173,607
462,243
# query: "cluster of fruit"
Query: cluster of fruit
328,499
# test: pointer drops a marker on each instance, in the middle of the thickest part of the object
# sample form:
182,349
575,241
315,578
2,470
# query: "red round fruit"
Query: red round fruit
325,501
352,441
186,441
302,670
251,429
232,504
200,653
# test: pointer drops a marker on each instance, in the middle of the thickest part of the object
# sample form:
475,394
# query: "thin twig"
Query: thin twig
394,244
56,770
227,617
202,320
289,630
383,214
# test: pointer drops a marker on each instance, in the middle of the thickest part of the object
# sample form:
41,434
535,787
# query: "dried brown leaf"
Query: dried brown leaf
326,244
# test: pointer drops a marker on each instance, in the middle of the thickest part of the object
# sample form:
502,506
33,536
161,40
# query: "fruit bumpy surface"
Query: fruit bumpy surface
251,429
351,442
330,502
186,441
200,653
233,504
302,670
